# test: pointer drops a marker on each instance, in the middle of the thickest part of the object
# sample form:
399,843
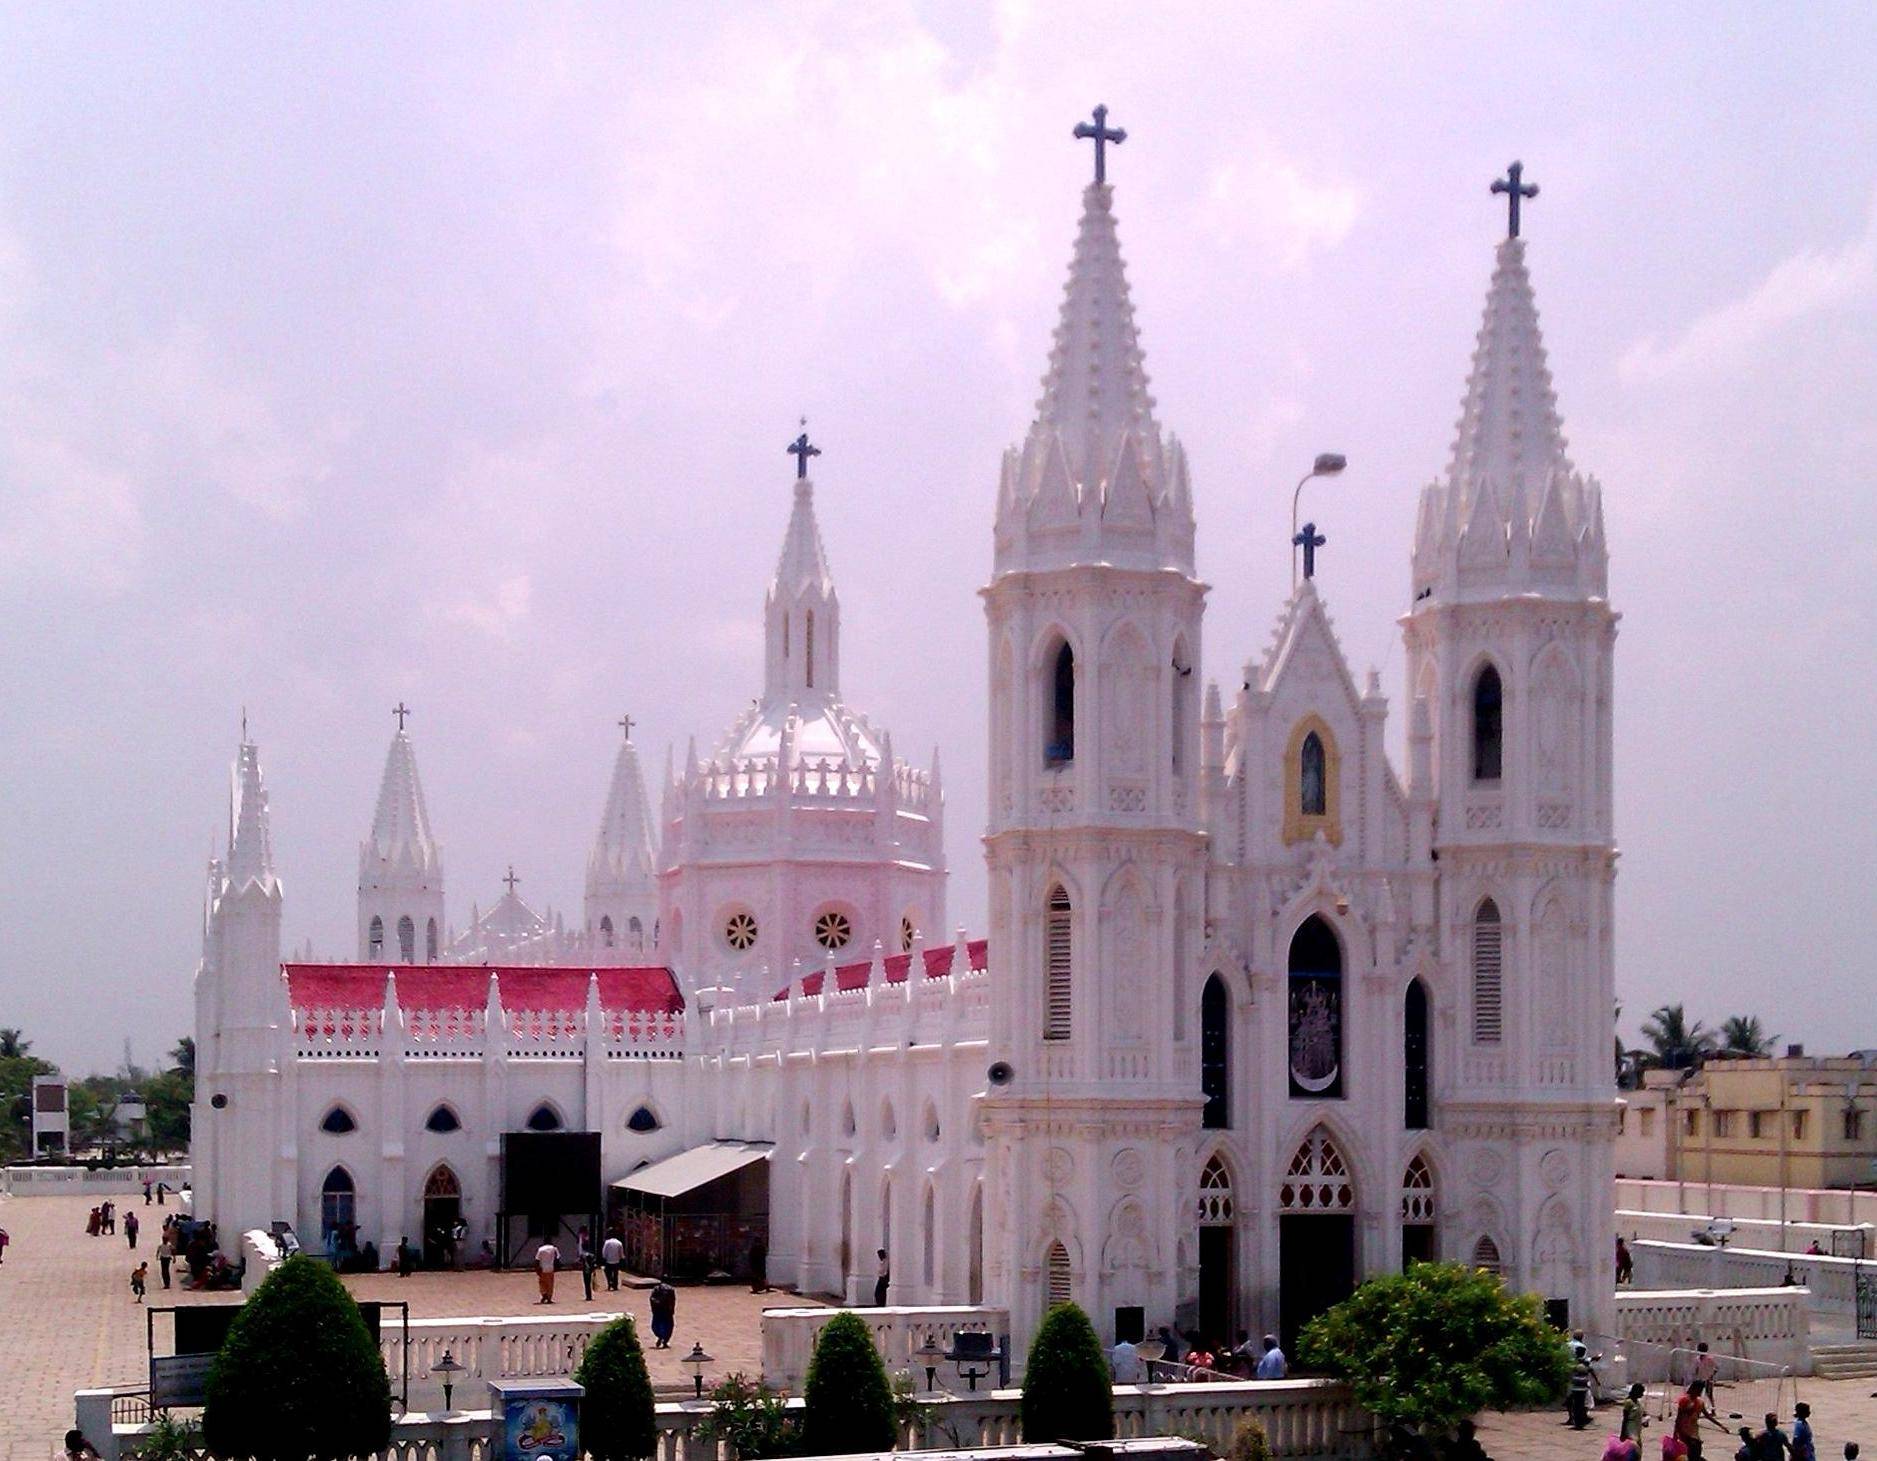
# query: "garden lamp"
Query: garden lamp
695,1362
449,1369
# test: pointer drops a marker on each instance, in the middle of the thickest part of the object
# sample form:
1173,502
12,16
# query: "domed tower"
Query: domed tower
1510,637
1095,853
400,868
801,840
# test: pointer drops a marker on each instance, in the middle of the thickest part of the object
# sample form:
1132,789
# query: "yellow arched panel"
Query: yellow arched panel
1299,825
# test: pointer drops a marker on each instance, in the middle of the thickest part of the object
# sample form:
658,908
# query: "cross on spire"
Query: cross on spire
400,710
626,723
511,879
1514,190
802,451
1309,540
1102,134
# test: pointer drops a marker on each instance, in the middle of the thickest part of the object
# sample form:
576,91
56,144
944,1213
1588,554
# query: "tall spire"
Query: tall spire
400,829
250,838
802,613
623,849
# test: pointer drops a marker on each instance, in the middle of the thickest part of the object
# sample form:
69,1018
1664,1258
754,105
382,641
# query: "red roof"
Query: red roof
466,986
938,963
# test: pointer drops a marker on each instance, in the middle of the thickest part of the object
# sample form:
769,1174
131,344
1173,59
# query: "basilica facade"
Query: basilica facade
1258,1012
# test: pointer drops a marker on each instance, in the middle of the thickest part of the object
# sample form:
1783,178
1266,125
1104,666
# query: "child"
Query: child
137,1277
1803,1447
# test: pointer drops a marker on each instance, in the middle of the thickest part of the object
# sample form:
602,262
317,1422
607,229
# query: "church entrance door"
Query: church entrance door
1316,1268
1218,1278
443,1206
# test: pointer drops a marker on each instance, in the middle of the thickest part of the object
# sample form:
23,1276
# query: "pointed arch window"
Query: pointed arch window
1488,975
1312,773
642,1121
1488,725
1058,1281
1486,1256
430,942
1058,932
606,931
928,1240
1417,1213
1414,1042
442,1119
1059,736
635,933
808,646
338,1204
1316,1012
1176,711
1215,1194
544,1118
1317,1179
407,940
1215,1062
337,1122
375,936
1312,778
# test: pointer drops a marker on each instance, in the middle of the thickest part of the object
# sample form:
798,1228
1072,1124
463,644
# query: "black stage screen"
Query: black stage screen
550,1172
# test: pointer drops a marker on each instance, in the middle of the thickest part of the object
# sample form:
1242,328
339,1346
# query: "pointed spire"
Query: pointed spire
623,848
803,563
400,831
250,837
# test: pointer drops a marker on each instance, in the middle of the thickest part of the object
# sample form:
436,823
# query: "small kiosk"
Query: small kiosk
539,1419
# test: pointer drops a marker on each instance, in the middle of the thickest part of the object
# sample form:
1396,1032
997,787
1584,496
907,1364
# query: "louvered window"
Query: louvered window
1056,970
1486,1257
1488,975
1056,1283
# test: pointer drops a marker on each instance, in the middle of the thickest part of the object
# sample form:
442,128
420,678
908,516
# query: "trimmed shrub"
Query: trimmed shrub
1249,1441
616,1421
298,1378
1067,1393
847,1404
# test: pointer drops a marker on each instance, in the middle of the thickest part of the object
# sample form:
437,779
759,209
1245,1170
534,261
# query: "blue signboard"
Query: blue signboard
540,1419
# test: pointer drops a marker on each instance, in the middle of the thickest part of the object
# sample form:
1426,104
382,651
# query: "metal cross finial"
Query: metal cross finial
626,723
400,710
802,451
244,725
1309,540
511,879
1102,134
1514,190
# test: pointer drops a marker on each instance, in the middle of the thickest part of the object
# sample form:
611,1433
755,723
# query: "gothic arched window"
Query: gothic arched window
442,1119
1417,1213
1414,1037
1316,1012
337,1122
1486,1256
544,1118
1215,1040
642,1120
808,647
635,933
1488,725
1057,940
606,931
1059,734
1058,1282
407,940
337,1202
1488,975
1312,778
430,942
375,937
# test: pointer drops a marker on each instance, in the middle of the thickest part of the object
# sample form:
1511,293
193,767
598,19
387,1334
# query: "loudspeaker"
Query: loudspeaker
550,1172
1000,1074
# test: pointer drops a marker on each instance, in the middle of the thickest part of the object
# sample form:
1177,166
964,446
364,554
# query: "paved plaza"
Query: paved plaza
69,1322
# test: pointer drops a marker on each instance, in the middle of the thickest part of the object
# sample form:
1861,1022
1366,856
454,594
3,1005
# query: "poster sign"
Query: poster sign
540,1419
179,1379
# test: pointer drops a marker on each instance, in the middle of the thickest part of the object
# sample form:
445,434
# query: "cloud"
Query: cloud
1808,282
495,611
1268,204
66,520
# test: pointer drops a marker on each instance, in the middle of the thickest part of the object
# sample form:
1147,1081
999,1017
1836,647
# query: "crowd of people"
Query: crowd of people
1190,1357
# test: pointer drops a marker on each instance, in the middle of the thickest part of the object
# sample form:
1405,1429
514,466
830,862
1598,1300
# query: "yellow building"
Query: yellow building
1792,1121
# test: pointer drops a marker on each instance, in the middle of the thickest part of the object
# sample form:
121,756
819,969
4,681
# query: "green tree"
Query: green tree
17,1070
847,1404
1745,1035
12,1044
616,1417
1436,1345
183,1056
1067,1393
1677,1043
298,1378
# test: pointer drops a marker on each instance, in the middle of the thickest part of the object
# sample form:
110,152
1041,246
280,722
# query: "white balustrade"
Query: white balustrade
1770,1324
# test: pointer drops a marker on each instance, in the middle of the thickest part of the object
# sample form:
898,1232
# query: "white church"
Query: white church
1258,1013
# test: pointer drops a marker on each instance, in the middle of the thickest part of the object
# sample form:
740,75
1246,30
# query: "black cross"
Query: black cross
1514,190
802,451
626,723
1102,134
1309,540
400,710
511,879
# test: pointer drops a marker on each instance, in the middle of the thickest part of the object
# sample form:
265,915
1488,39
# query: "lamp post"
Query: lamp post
695,1362
449,1369
1151,1351
976,1355
930,1357
1327,464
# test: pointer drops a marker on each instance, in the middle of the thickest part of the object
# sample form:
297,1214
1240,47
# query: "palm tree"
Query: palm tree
12,1046
183,1057
1678,1044
1745,1035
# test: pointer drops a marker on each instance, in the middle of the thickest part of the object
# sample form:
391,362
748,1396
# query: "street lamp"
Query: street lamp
695,1362
975,1353
1327,464
930,1357
449,1369
1151,1350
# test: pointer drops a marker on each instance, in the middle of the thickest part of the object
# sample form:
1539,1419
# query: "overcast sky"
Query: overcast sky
350,354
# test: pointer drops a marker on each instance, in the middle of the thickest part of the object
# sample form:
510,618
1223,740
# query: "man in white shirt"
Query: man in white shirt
612,1254
1273,1366
545,1259
1125,1360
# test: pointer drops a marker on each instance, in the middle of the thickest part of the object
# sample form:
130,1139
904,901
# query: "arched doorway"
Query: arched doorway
338,1212
1316,1234
1218,1288
443,1207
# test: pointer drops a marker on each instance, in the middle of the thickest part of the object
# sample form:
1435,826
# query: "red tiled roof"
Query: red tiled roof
466,986
938,963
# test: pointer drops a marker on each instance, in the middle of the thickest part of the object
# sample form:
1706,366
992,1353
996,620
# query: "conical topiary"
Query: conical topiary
616,1418
847,1403
1067,1393
298,1378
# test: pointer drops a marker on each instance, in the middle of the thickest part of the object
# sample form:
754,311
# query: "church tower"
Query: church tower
622,894
1095,853
400,868
1509,640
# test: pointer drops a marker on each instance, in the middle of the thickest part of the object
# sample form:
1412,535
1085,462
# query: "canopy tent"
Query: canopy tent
700,1213
689,1170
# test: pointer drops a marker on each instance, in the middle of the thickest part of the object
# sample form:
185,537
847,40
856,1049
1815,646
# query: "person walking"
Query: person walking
165,1256
664,1300
612,1254
885,1278
131,1224
146,1191
1804,1447
1771,1442
585,1245
1690,1408
1625,1262
459,1234
139,1276
407,1256
546,1259
1635,1416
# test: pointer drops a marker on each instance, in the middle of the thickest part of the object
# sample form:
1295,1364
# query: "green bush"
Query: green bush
847,1404
749,1419
1067,1393
1249,1441
298,1378
1436,1345
616,1420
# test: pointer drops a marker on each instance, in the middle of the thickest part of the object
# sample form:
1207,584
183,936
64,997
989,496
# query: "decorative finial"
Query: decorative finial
244,725
802,451
1514,190
400,710
1309,540
1102,134
626,723
511,879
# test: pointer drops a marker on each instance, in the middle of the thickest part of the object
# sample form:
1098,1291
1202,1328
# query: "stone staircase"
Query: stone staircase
1845,1361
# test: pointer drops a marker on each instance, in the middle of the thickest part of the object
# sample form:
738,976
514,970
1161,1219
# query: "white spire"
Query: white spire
622,852
803,564
400,830
250,839
802,613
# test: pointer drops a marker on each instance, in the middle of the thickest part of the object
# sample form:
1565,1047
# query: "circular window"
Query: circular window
739,931
832,930
907,933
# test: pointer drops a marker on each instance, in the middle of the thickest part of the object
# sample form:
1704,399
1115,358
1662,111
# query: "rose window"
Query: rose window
739,931
832,930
